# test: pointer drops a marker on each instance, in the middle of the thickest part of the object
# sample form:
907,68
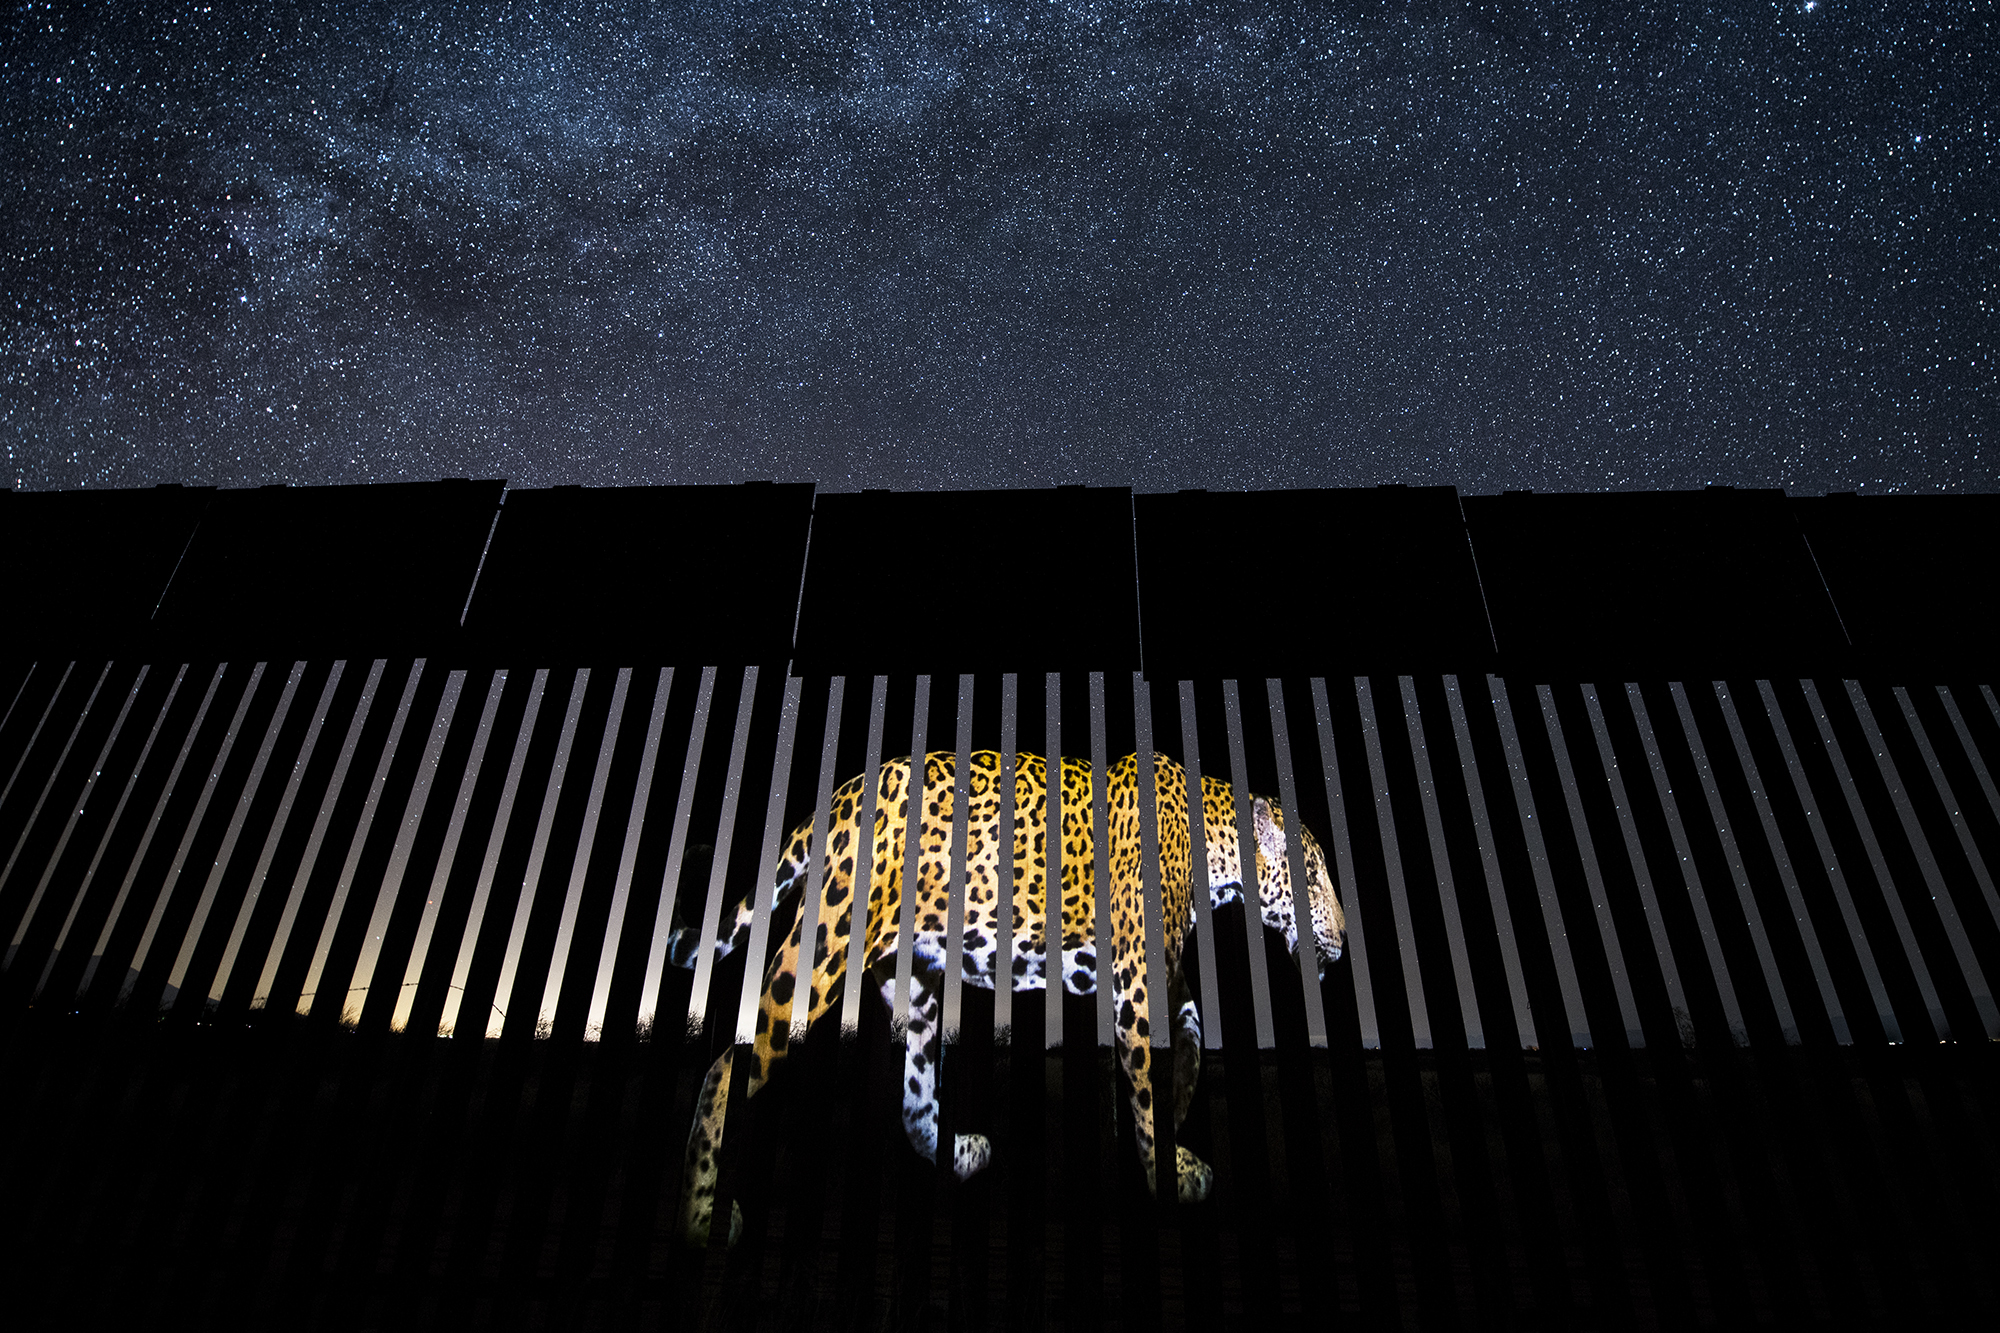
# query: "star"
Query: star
997,245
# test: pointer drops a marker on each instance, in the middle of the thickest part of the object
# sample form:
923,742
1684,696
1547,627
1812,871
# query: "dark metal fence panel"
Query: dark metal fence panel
68,864
1665,994
165,833
100,885
259,809
387,992
1870,769
27,717
54,765
24,874
558,848
198,859
1505,1173
301,972
479,1013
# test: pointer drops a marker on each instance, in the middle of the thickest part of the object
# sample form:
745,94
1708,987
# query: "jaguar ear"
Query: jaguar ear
1270,833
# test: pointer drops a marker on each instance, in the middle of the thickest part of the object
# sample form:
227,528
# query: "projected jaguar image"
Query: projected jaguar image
934,911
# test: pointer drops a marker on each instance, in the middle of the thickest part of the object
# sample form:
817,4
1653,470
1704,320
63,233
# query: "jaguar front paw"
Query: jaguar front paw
971,1154
1197,1178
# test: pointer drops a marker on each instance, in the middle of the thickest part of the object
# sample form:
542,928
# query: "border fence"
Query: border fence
344,830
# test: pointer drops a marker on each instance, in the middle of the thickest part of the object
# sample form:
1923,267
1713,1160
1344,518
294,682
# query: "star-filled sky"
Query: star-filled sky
971,245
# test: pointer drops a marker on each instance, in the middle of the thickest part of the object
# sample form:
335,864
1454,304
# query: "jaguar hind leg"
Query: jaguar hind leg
704,1146
971,1153
1193,1177
766,1053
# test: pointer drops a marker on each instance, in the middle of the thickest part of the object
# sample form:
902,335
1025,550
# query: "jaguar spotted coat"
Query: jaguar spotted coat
1027,920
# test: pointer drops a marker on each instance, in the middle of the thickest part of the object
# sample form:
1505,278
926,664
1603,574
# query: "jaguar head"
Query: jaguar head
1274,886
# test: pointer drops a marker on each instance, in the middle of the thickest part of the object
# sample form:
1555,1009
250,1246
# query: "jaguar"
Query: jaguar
1075,948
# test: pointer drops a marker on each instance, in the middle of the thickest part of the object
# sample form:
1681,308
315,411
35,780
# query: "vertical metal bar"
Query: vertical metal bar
1052,896
820,1199
819,860
154,821
912,851
1154,925
630,827
497,1001
111,827
1246,850
1091,1250
1538,857
357,845
670,877
346,840
1153,895
1607,929
566,692
1454,925
961,801
275,886
409,818
87,835
1878,862
28,747
1199,888
951,1111
1940,891
1102,946
1006,1247
1641,872
1489,859
20,692
586,840
864,866
1948,799
1392,859
1850,917
1754,919
489,867
76,813
197,882
1718,965
1343,858
232,914
439,797
1003,902
554,885
176,977
320,819
1937,814
447,856
54,775
1288,796
1971,747
194,820
1781,855
773,848
718,875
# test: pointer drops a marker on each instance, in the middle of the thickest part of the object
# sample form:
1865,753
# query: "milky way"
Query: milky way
969,245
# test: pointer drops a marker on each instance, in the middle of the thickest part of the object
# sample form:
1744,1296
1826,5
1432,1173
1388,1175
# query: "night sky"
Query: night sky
973,245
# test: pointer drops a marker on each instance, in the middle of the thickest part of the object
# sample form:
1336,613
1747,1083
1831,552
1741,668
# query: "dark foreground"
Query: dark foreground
303,1178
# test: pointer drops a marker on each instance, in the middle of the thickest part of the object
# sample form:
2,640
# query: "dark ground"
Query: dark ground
310,1178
